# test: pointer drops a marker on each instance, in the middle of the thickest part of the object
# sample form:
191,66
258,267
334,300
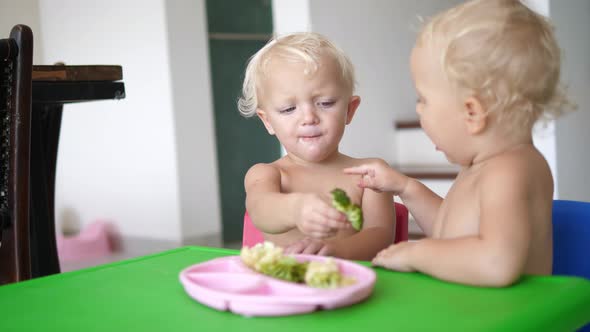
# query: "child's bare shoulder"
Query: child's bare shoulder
263,172
521,166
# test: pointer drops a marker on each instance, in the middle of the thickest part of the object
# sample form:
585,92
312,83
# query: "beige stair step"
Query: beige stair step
428,171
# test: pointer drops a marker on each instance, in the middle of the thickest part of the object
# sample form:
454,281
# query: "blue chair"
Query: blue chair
571,238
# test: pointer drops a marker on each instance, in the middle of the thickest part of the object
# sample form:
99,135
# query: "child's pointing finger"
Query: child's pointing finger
355,170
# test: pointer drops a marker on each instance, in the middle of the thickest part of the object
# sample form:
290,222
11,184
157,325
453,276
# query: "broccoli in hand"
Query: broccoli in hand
340,200
355,216
353,212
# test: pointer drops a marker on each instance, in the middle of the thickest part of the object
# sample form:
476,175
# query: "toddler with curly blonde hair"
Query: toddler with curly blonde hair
485,72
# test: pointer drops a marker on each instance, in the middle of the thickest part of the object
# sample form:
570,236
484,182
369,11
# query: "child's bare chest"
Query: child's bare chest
321,182
459,213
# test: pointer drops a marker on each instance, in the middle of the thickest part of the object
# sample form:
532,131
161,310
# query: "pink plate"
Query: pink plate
227,284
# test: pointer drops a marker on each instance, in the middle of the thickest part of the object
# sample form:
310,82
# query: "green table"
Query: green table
144,294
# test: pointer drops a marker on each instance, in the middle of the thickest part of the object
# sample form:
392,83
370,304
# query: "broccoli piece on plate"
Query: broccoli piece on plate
269,259
286,268
326,275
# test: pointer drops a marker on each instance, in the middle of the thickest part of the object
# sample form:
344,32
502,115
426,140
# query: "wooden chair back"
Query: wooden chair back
16,63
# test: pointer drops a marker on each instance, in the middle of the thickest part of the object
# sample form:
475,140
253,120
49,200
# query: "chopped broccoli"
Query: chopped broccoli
353,212
268,259
323,275
286,268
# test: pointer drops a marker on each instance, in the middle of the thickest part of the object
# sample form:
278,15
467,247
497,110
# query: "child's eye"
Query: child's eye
419,100
326,104
287,110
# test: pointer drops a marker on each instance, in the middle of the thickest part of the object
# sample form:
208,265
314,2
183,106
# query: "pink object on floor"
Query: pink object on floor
91,242
227,284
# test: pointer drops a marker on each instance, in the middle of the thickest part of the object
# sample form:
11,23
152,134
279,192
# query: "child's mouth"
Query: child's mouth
309,138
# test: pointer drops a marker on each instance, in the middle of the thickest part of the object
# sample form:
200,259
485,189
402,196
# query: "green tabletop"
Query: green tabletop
144,294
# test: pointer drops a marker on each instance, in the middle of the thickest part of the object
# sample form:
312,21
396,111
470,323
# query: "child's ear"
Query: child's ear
476,116
353,104
262,115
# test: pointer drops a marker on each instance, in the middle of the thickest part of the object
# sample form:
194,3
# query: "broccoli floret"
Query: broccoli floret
261,254
269,259
355,216
323,275
353,212
340,200
326,275
286,268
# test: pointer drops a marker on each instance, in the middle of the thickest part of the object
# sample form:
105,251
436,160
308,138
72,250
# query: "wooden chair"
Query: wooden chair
31,101
16,62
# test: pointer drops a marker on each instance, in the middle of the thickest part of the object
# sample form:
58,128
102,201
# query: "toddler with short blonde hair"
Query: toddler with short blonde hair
301,86
485,72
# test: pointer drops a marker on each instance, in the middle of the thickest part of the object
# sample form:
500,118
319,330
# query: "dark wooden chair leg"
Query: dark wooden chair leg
44,143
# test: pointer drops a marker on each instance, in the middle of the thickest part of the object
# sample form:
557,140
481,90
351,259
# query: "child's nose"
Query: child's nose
310,115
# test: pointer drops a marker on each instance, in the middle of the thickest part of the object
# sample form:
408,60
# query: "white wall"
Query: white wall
193,118
290,16
562,142
572,134
147,162
378,35
117,159
540,6
21,12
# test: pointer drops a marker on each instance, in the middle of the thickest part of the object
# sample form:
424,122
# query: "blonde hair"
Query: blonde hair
504,54
306,47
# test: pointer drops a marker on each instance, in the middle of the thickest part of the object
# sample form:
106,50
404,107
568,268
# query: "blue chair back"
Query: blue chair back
571,238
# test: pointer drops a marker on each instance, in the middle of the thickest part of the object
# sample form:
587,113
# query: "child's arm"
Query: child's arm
495,257
275,212
377,232
422,202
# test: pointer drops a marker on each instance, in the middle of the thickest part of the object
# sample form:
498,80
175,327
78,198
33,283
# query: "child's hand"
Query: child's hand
318,218
379,177
310,246
395,257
